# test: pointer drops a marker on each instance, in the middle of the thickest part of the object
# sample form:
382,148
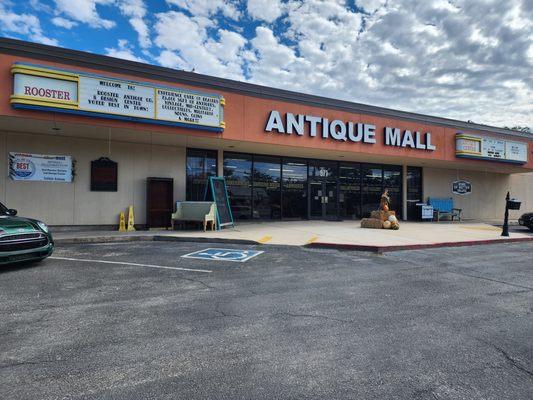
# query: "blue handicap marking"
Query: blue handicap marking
224,254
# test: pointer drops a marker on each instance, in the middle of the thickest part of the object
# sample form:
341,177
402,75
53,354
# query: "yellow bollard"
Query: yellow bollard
122,223
131,219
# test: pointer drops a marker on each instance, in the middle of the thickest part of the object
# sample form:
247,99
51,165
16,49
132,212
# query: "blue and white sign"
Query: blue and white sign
40,167
224,255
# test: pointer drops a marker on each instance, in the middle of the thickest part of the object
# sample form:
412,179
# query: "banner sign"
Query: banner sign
40,167
461,187
488,148
45,88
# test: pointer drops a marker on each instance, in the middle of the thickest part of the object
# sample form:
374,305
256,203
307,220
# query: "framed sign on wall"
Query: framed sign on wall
461,187
104,175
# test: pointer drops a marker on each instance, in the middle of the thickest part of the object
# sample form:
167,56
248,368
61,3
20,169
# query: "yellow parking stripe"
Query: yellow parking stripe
313,239
265,239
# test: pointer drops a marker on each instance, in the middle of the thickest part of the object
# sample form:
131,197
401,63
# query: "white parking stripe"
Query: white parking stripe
132,264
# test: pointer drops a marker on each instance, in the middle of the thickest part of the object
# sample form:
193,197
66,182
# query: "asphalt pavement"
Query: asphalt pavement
138,321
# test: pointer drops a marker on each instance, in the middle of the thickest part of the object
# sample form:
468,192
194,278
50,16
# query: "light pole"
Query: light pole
505,230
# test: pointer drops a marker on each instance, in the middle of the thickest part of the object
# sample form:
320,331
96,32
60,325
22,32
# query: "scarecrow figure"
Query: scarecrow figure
385,201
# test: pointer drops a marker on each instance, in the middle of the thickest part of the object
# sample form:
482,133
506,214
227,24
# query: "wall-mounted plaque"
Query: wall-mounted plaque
461,187
104,175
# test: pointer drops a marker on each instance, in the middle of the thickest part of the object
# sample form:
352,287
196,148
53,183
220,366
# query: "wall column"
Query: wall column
404,192
220,163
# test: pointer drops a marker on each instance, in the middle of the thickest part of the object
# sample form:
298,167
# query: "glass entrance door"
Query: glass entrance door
330,202
316,199
414,191
322,199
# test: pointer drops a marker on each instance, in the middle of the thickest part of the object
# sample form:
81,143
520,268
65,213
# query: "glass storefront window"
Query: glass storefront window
201,164
238,174
371,188
266,187
392,181
270,187
294,189
350,190
323,169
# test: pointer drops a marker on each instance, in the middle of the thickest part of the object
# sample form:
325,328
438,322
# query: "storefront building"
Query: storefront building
81,134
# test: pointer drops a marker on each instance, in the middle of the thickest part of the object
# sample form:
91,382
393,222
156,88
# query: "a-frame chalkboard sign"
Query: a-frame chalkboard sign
216,191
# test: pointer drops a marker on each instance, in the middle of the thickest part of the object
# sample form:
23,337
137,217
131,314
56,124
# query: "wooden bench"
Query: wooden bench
199,211
444,207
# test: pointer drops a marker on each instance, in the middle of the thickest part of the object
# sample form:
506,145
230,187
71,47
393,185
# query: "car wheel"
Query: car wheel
530,228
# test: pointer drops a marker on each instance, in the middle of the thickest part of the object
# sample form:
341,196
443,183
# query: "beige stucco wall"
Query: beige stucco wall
74,203
522,189
487,200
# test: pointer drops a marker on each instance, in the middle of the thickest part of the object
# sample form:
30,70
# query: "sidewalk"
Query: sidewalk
343,234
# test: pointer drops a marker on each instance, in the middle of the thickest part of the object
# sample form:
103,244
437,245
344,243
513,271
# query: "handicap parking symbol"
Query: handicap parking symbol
224,254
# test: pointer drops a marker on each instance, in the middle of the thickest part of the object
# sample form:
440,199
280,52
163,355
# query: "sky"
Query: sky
461,59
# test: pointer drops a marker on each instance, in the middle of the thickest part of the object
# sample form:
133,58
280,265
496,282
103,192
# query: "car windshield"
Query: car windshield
3,209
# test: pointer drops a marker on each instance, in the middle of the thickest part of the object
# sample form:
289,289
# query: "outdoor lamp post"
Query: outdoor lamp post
509,205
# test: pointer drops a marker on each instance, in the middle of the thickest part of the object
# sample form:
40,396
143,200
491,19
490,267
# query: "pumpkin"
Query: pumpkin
393,219
387,224
395,226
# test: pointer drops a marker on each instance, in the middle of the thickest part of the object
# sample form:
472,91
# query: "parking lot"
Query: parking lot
136,320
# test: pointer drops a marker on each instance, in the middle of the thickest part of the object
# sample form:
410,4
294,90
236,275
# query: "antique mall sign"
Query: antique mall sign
346,131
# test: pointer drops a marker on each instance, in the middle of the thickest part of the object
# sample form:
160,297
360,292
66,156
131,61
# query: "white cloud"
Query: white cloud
464,59
85,11
274,58
370,5
136,11
23,24
263,10
207,8
176,31
40,6
434,56
186,45
123,51
229,46
170,59
63,22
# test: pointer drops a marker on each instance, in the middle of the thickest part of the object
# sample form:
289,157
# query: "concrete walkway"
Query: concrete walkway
345,234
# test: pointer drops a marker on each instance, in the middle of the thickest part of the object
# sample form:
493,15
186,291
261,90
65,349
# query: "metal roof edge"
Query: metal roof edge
111,64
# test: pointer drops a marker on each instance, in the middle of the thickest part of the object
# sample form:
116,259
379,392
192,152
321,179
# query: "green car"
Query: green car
22,239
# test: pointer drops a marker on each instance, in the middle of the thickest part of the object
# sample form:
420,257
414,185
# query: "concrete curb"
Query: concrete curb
204,240
102,239
384,249
316,245
149,238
